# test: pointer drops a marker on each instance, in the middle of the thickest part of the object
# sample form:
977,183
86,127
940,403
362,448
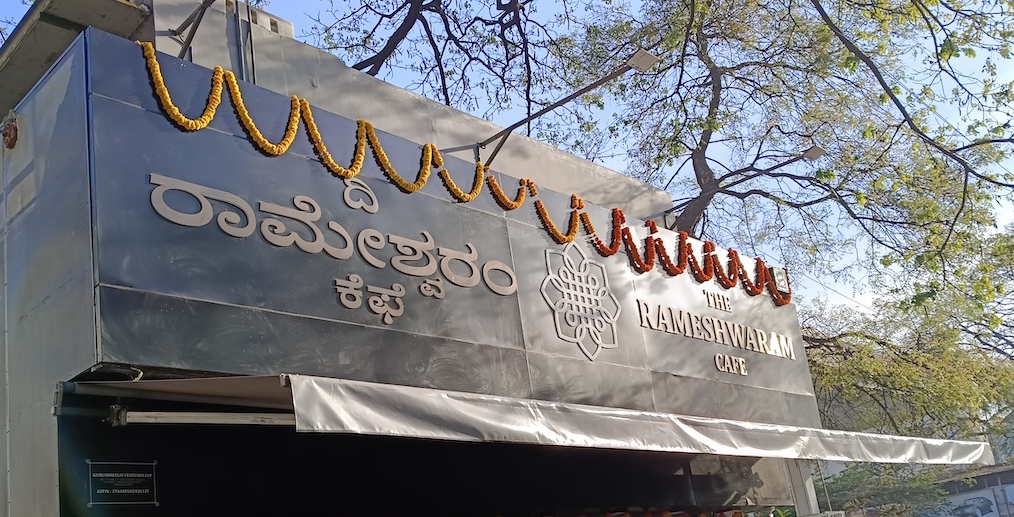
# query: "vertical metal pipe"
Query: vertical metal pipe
240,47
253,51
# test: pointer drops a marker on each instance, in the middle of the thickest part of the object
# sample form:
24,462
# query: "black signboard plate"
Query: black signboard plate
122,483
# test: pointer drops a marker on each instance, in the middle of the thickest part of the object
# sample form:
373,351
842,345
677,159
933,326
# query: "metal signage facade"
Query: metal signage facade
212,256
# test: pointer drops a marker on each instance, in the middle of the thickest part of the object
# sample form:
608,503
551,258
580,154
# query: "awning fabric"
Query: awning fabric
325,405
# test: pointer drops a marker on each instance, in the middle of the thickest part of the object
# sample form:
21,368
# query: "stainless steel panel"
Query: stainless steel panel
118,72
48,271
271,61
539,319
142,250
208,43
4,445
139,249
292,67
327,82
695,357
149,329
582,382
700,397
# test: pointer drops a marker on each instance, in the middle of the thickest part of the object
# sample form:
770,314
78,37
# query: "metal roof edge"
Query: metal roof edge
46,30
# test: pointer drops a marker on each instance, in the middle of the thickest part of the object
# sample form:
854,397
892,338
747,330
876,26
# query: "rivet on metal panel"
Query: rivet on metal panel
9,130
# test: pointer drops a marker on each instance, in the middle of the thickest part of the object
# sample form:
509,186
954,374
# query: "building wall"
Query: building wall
287,66
997,485
48,294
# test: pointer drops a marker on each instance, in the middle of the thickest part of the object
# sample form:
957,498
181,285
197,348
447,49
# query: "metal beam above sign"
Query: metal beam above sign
642,61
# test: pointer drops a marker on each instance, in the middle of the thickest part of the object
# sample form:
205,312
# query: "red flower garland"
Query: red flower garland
757,286
730,279
648,262
706,269
681,255
705,272
617,233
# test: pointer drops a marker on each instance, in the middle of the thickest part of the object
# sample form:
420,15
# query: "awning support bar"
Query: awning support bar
120,416
79,388
640,61
193,21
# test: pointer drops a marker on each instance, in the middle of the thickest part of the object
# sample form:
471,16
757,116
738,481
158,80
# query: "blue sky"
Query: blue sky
299,12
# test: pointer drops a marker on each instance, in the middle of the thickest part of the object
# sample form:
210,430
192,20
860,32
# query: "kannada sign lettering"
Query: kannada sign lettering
415,257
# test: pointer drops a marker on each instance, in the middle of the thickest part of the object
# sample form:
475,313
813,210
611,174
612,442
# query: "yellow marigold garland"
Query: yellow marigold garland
378,153
576,202
166,102
430,157
461,195
325,157
251,129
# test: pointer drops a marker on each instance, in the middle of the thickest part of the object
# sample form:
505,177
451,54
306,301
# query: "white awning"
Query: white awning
325,405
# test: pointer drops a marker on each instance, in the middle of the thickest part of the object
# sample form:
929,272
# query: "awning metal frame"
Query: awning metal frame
122,415
325,405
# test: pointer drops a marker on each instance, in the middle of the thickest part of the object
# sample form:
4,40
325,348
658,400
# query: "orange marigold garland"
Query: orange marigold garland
776,295
501,198
617,233
702,270
554,231
755,287
532,190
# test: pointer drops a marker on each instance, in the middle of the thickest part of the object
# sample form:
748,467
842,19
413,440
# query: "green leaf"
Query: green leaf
824,175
